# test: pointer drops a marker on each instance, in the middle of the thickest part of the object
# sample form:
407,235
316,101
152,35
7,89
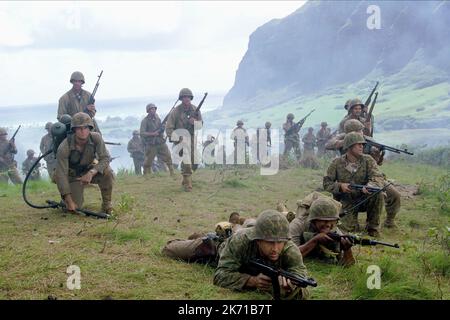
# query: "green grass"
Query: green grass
121,258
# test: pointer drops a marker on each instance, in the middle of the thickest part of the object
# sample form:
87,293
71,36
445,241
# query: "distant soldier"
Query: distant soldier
355,107
209,139
393,197
152,134
136,150
291,138
323,135
309,159
269,242
184,116
238,133
356,167
310,234
268,141
8,166
82,160
77,100
28,163
46,145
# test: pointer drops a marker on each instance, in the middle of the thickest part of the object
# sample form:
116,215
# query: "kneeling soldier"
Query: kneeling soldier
82,159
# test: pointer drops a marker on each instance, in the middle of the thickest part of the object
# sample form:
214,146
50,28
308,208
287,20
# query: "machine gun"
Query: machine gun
354,239
383,147
255,267
299,124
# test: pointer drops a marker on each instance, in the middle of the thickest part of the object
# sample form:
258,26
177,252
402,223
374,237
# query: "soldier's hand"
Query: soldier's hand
86,179
346,244
285,284
364,190
260,281
192,120
345,187
322,238
70,204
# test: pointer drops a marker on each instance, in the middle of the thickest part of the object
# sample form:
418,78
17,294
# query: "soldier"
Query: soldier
46,145
184,116
393,198
8,166
77,100
136,150
309,159
310,234
292,138
356,167
268,241
355,112
28,163
154,141
82,159
268,141
323,135
239,132
209,139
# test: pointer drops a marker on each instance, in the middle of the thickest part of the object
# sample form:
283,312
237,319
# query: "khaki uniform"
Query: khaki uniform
46,145
72,164
291,140
26,166
309,159
71,104
235,253
364,171
154,146
136,150
240,132
8,166
179,119
323,136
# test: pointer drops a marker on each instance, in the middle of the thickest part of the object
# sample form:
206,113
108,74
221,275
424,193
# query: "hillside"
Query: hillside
120,258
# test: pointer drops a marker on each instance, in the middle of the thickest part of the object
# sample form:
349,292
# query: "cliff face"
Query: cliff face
327,43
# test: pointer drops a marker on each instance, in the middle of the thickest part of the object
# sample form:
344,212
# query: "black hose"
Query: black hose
24,186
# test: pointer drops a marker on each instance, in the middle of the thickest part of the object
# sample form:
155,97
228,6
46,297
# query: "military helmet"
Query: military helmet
77,76
3,132
270,225
323,124
151,105
353,125
81,119
185,92
268,124
347,103
239,123
355,102
48,125
310,129
65,119
290,116
353,138
323,209
135,133
30,152
224,229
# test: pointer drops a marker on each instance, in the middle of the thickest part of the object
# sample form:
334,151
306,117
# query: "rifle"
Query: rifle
360,187
383,147
15,133
299,124
113,143
371,94
163,123
258,266
92,96
354,239
100,215
369,114
197,110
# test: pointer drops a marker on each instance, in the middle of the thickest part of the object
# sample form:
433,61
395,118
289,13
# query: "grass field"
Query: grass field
120,258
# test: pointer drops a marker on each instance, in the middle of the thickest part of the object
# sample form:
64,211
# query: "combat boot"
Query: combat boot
389,222
373,233
107,207
188,187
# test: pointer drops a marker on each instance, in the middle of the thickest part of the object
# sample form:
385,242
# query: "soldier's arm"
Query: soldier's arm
376,178
295,231
62,107
102,154
292,261
42,146
334,143
330,182
170,124
227,273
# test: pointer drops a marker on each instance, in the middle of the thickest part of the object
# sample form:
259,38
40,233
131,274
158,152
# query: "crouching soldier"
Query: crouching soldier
28,163
313,235
83,159
268,241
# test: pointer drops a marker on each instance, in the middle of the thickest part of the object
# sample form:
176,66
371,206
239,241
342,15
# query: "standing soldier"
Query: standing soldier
309,159
8,166
46,145
152,132
356,167
291,137
82,159
323,135
238,133
355,107
184,116
136,150
28,163
77,100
